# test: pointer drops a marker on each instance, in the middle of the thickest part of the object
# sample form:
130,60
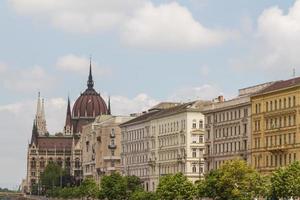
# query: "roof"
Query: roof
190,106
141,118
55,142
278,85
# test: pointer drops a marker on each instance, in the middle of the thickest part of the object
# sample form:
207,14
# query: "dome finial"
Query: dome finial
90,82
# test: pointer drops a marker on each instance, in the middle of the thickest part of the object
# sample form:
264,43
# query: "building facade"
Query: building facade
101,146
275,122
165,141
228,128
63,148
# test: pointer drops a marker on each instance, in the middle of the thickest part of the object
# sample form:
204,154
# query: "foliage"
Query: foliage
233,180
113,187
142,195
286,182
133,183
175,186
89,188
50,178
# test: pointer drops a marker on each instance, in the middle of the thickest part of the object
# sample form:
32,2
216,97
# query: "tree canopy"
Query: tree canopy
175,186
233,180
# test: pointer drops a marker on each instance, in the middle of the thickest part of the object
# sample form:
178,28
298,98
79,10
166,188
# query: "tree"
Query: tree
175,186
113,187
142,195
52,175
286,182
89,188
133,184
233,180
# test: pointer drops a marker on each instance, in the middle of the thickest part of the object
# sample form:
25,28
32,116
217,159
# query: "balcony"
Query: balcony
278,148
181,159
112,146
111,158
151,162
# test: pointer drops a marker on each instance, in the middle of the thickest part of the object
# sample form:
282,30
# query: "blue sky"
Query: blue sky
143,52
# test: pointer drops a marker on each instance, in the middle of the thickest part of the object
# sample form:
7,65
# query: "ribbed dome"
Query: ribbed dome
90,104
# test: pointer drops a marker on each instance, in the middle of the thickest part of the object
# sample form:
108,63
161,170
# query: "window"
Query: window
194,153
201,124
194,169
194,124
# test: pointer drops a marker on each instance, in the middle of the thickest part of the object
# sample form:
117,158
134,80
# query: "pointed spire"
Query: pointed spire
68,124
40,120
90,82
34,134
108,110
38,107
43,110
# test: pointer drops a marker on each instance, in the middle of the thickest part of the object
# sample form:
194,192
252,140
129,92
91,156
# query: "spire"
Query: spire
40,120
34,133
43,110
90,82
68,124
38,107
108,110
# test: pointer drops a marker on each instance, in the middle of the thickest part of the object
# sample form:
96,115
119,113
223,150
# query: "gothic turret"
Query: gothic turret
40,120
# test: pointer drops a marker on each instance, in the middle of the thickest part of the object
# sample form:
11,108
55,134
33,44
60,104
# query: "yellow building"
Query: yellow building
275,125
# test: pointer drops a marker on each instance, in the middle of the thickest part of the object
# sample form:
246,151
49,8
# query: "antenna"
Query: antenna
294,72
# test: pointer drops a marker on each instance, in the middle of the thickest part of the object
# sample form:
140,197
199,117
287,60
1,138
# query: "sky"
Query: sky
143,52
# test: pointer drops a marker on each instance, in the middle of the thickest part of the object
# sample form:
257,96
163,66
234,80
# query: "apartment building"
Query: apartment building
228,128
165,141
275,122
101,146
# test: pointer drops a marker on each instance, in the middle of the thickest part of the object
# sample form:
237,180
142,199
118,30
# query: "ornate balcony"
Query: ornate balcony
112,146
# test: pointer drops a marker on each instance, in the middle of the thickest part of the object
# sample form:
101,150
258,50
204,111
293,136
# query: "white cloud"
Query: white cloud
139,22
122,105
25,79
80,64
203,92
168,26
77,15
275,45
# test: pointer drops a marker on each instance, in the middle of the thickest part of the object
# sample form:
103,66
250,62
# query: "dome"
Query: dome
89,104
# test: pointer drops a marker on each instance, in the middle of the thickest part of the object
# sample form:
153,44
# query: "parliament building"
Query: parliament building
63,148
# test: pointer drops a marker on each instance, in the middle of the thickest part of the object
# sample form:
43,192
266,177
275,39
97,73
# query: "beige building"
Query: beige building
165,140
228,128
275,122
101,146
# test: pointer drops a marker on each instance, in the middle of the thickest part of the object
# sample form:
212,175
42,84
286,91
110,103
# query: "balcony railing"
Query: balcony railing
112,146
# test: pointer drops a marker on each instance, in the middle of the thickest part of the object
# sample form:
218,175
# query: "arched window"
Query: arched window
194,169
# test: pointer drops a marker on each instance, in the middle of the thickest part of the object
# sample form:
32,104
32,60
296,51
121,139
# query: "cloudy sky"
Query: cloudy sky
144,51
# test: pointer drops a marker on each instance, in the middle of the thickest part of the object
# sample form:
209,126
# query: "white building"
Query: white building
165,141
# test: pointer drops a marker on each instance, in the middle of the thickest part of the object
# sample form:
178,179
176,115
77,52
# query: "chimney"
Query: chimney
221,98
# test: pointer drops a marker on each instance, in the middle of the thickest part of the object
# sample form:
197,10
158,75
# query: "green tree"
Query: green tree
133,184
286,182
175,187
233,180
142,195
89,189
52,176
113,187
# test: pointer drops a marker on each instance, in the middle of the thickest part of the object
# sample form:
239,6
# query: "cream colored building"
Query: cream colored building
165,140
228,128
101,146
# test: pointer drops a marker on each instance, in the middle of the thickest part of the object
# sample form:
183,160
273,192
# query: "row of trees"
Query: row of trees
233,180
